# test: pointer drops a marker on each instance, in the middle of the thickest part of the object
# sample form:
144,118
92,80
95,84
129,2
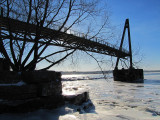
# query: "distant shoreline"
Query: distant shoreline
96,72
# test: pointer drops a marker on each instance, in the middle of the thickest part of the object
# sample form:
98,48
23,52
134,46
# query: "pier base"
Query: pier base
129,75
30,90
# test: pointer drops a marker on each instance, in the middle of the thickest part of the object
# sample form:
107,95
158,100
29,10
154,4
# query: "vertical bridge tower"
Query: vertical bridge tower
131,74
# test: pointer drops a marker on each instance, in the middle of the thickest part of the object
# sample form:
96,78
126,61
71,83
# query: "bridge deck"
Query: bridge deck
62,39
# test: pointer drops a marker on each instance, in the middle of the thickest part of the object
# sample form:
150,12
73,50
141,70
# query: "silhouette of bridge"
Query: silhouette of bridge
63,38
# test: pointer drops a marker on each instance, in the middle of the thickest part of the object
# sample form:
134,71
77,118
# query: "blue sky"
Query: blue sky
144,17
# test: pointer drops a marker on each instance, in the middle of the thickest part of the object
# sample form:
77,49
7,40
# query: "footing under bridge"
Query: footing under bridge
129,75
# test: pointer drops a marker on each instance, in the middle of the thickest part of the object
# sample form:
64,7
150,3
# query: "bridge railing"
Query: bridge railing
56,26
94,39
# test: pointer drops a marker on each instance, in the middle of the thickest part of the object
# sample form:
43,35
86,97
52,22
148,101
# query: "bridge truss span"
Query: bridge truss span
68,39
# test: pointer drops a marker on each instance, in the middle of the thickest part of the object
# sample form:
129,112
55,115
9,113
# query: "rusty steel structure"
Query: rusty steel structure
68,39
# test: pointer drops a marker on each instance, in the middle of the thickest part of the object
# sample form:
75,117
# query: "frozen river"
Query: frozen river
112,100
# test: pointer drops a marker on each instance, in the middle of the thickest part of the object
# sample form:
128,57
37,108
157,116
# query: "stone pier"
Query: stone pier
129,75
28,91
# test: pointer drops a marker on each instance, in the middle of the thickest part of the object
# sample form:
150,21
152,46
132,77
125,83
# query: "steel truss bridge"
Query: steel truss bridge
69,39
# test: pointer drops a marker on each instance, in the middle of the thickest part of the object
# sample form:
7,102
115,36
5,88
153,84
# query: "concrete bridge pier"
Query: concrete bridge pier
129,75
